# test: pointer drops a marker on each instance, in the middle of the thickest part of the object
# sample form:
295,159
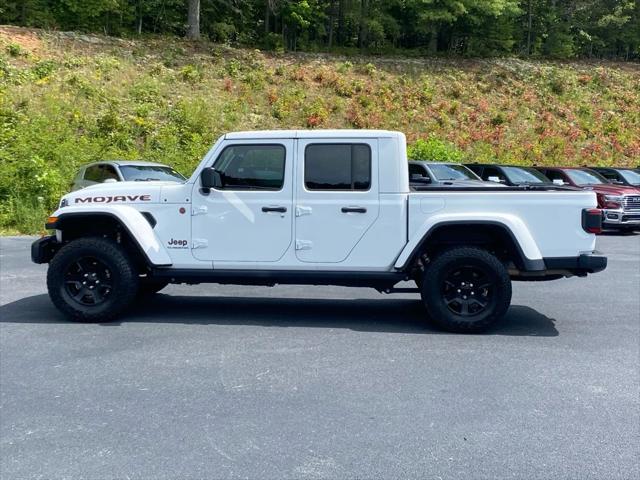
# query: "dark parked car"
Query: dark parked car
620,176
620,204
438,174
510,175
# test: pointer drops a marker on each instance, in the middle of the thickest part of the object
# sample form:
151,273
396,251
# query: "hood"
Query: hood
117,193
611,189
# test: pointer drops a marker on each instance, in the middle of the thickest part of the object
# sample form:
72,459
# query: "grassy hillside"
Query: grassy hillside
68,99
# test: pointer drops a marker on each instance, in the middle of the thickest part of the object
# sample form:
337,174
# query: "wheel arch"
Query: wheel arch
127,225
489,233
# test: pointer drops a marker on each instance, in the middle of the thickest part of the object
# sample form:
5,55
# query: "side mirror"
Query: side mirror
558,181
110,180
494,179
210,178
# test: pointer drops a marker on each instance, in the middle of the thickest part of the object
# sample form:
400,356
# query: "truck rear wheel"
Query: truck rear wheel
92,279
466,290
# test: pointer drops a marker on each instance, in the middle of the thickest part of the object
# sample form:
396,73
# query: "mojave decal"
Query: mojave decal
115,198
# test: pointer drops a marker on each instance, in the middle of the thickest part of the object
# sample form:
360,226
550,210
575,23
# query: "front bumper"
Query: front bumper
580,265
43,249
620,218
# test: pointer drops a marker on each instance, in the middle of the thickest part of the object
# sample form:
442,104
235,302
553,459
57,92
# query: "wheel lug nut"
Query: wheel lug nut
98,281
459,290
464,297
472,293
86,275
84,283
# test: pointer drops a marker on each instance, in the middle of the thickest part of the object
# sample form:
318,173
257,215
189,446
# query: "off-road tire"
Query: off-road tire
434,285
124,279
150,286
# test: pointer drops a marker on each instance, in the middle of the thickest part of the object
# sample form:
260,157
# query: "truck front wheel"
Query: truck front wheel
466,290
92,279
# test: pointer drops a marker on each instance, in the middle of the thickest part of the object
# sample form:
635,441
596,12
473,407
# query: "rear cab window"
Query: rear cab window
418,174
337,166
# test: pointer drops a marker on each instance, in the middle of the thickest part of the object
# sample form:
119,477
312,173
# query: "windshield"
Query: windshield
145,173
525,175
631,176
583,177
451,172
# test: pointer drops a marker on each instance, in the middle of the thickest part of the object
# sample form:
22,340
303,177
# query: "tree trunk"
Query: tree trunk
340,32
433,41
530,22
193,20
332,16
267,14
139,17
361,27
23,13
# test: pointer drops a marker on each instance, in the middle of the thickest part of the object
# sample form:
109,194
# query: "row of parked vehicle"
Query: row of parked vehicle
617,189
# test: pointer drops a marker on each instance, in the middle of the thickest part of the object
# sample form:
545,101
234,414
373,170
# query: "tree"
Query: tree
193,20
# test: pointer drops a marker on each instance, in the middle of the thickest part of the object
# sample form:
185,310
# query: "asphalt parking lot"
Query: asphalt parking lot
319,382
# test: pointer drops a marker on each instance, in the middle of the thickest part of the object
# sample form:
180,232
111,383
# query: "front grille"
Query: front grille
631,218
631,203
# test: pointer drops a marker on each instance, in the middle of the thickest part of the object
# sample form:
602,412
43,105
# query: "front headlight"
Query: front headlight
63,203
613,201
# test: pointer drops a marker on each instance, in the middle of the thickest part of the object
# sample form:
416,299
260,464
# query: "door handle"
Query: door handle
353,210
274,209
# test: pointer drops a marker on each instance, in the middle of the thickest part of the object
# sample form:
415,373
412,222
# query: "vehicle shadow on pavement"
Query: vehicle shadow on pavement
620,233
366,315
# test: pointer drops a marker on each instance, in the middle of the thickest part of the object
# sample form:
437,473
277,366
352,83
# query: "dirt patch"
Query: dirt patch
26,38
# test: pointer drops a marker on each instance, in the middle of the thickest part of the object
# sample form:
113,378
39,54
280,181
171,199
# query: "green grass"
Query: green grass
65,102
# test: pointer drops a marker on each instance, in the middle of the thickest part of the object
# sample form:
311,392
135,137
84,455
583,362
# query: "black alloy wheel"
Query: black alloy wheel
88,281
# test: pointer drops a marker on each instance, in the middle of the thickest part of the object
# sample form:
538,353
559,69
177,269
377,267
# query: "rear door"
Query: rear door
336,197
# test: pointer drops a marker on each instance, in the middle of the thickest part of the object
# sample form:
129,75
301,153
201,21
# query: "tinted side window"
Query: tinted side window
337,167
610,174
492,172
477,169
109,172
417,173
252,167
554,175
93,174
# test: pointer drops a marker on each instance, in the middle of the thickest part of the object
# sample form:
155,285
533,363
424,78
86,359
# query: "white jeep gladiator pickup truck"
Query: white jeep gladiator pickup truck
330,207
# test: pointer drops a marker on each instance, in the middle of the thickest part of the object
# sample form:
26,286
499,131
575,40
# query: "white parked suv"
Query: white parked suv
123,171
317,207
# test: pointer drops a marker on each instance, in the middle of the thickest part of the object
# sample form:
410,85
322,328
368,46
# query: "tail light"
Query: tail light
592,220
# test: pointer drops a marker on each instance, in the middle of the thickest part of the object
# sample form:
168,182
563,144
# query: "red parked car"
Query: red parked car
620,204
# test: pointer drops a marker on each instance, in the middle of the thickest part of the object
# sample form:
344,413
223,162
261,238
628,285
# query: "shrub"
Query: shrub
344,67
273,41
14,49
434,149
43,69
222,32
191,74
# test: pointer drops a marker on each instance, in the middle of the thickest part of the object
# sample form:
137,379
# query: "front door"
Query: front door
336,197
249,218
